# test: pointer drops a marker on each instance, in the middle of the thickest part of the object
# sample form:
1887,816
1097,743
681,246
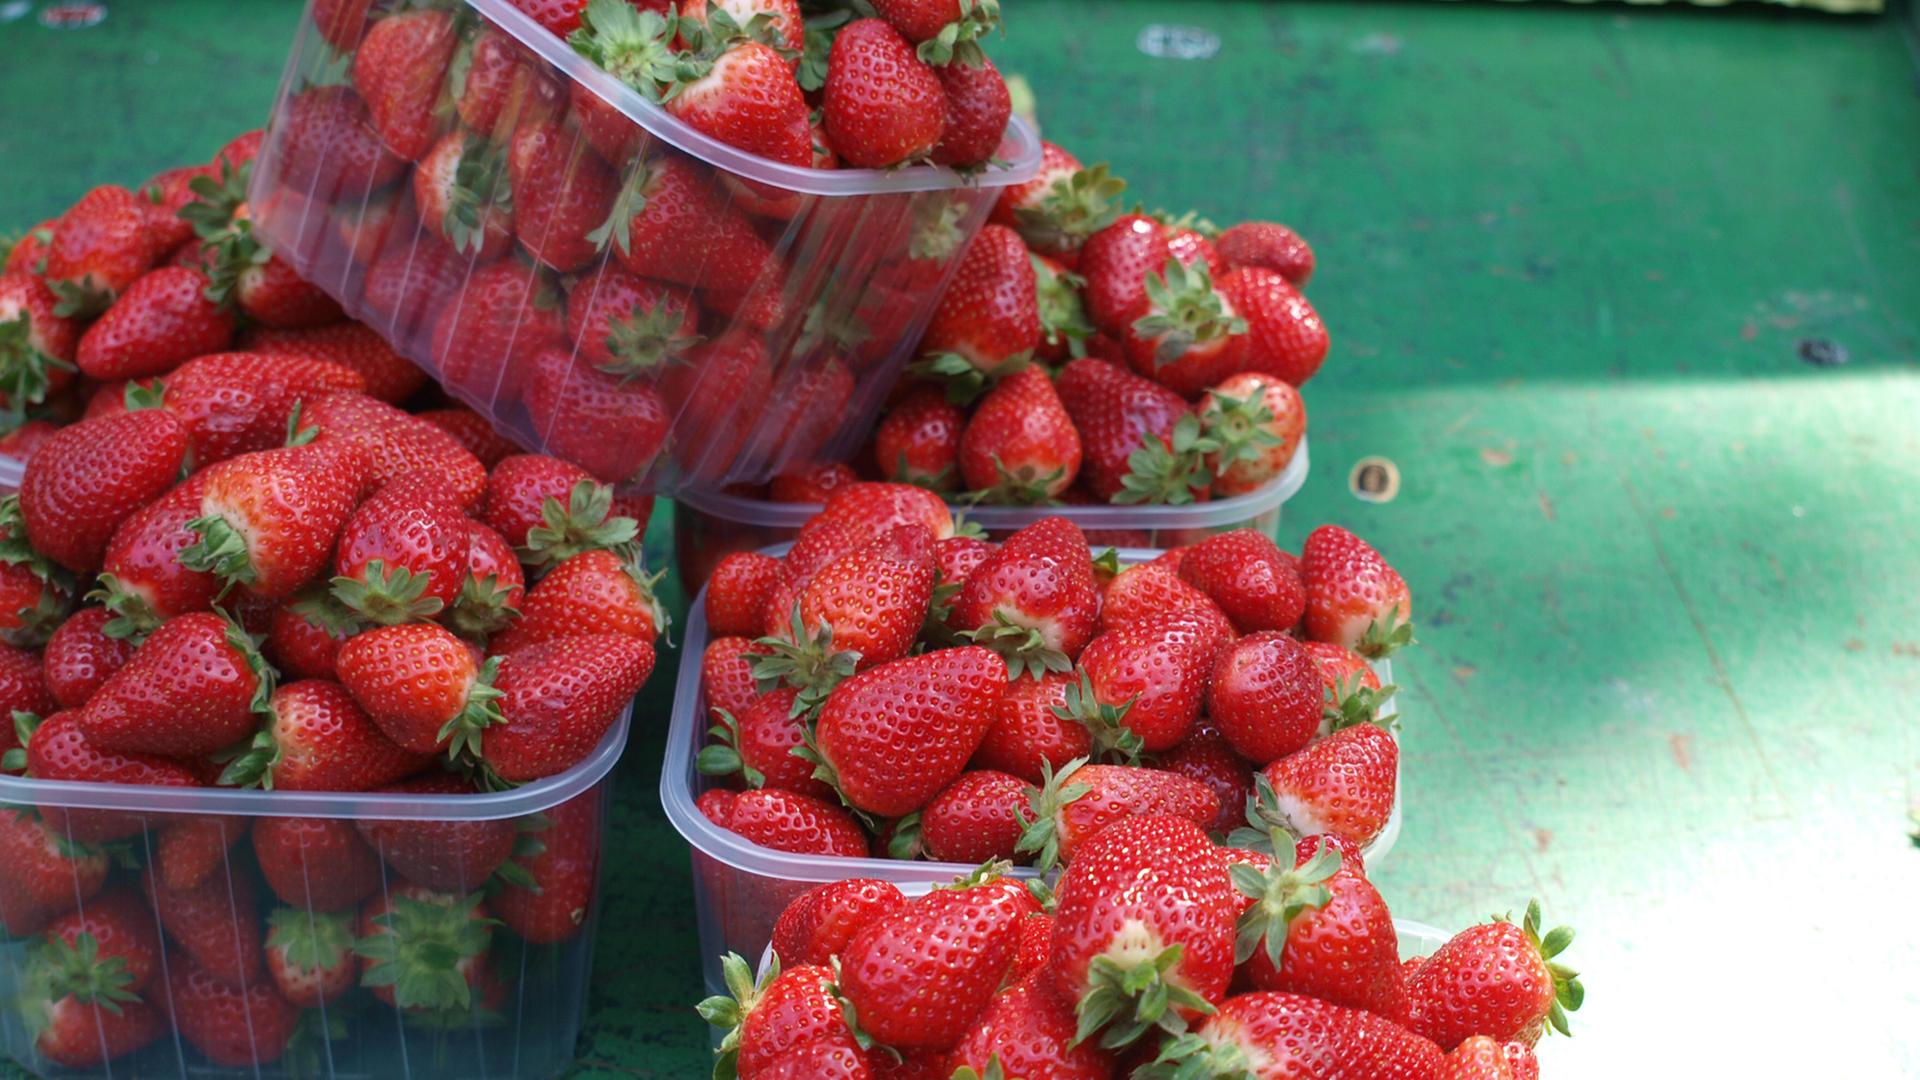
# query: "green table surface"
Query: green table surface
1667,573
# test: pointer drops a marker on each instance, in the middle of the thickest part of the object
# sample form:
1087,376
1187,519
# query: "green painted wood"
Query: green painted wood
1665,570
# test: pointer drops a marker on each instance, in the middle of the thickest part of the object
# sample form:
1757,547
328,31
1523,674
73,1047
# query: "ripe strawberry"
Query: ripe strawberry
737,592
470,430
142,580
977,108
1020,445
237,403
784,28
84,1026
1034,599
35,595
869,508
627,326
548,888
49,873
1354,598
317,739
100,247
162,320
1285,337
883,105
1481,1058
401,557
190,848
918,441
216,923
739,90
1026,1030
29,250
670,210
562,194
758,743
594,592
330,146
398,70
726,675
80,656
195,686
1188,334
1029,734
1258,422
988,319
408,285
558,698
1116,263
447,854
1207,757
315,864
1064,328
389,376
1350,691
1063,205
231,1028
1142,686
957,557
945,30
1265,696
485,339
1343,784
1498,979
91,476
816,926
56,750
1253,581
1074,803
423,687
396,444
1148,590
1319,928
1141,441
891,738
605,420
269,519
161,199
494,587
975,819
1269,245
310,955
787,821
37,347
917,976
462,193
789,1024
1293,1035
341,22
812,484
870,602
1143,930
23,688
502,85
552,509
306,633
111,944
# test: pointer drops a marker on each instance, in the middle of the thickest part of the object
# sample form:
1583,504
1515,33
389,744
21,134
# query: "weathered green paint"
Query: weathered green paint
1665,570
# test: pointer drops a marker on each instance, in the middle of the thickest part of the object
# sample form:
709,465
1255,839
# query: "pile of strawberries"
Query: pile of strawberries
892,687
1162,956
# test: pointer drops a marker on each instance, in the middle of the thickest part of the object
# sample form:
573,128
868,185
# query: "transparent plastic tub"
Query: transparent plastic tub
739,887
807,288
10,473
710,525
528,992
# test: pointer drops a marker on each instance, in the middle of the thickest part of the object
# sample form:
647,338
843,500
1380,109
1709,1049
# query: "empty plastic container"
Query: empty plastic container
776,303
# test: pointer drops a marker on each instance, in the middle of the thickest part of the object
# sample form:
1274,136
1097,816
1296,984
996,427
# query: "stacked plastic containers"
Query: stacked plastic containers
84,857
792,296
739,887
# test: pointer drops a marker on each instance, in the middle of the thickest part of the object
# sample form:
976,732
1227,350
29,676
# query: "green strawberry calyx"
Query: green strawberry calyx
387,595
417,949
133,617
484,607
1184,311
481,194
23,365
959,40
59,969
649,339
807,663
1063,315
1242,426
1280,895
586,523
1072,208
1568,994
1384,637
1123,1001
1266,821
1113,740
462,732
1040,833
729,1011
1169,471
1351,702
1025,648
311,941
632,45
722,756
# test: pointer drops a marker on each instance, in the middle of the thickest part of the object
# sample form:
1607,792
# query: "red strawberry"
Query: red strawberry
89,1025
1148,590
23,688
231,1028
957,557
396,444
1064,327
449,854
470,430
424,687
91,476
408,285
813,484
29,251
1350,691
1258,422
1073,804
1266,696
1029,733
883,104
1285,337
558,698
494,588
1480,1058
548,890
783,22
401,557
869,508
740,91
562,193
918,442
388,376
892,737
310,955
1188,334
1063,205
626,325
315,864
718,400
787,821
605,420
1142,686
988,319
1020,446
594,592
195,686
142,581
485,339
789,1024
236,403
1253,581
37,347
1207,757
870,602
161,321
520,489
975,819
84,945
398,69
1299,1036
190,848
1034,599
306,634
49,874
1026,1030
1141,441
945,30
100,247
1319,928
1343,784
161,199
1498,979
816,926
35,595
56,750
758,743
216,922
671,223
1116,262
916,977
737,592
502,84
461,191
1143,930
726,675
341,22
269,519
317,739
978,106
1354,598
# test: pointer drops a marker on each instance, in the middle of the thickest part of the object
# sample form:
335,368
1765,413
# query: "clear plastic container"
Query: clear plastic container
740,887
710,525
526,1000
806,287
10,473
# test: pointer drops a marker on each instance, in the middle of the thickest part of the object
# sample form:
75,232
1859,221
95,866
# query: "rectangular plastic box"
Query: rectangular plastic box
710,525
524,1025
808,288
739,887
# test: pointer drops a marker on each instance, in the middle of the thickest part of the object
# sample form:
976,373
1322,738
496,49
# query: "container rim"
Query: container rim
709,839
761,512
1018,155
529,798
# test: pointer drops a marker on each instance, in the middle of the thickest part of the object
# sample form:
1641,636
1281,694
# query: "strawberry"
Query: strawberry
317,739
1034,599
1285,337
1141,441
1034,949
1020,446
1350,691
237,403
607,421
917,976
1318,928
726,675
562,193
813,484
548,888
35,595
988,319
783,24
84,1026
142,580
1265,696
1073,804
788,821
269,519
558,698
1498,979
91,476
341,22
461,190
310,955
109,944
398,70
1207,757
1266,244
627,326
957,557
56,750
594,592
216,923
1258,422
28,252
1029,734
1342,784
486,338
737,592
231,1028
408,285
1142,686
945,30
195,686
448,854
1189,334
1292,1035
497,83
306,633
388,376
1027,1031
892,737
494,587
1116,262
739,90
470,430
544,504
789,1024
421,685
870,602
379,224
975,819
161,321
161,199
1143,930
1256,584
190,848
978,106
871,507
816,926
1148,590
37,347
49,873
396,444
882,104
242,272
100,247
670,210
918,442
317,864
1064,328
23,688
1063,205
1353,598
401,557
1480,1058
758,743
